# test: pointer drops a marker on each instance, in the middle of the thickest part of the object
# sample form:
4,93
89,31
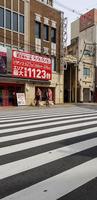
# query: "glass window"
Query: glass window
37,29
53,63
86,71
21,23
15,21
8,47
53,35
1,44
1,17
50,2
46,32
8,19
45,1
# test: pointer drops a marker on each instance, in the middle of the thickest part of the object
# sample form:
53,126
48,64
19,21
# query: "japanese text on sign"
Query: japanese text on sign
26,65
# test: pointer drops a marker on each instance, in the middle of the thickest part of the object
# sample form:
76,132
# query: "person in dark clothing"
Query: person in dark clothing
47,97
38,97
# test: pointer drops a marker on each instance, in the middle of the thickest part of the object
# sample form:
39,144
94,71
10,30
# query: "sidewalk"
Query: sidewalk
87,103
9,108
35,107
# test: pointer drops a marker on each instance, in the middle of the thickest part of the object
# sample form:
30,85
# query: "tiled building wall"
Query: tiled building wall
26,40
11,37
52,15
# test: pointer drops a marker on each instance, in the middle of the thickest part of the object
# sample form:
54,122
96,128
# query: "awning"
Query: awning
8,77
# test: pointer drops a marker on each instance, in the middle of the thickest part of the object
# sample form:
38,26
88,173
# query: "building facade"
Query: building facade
71,73
84,35
31,47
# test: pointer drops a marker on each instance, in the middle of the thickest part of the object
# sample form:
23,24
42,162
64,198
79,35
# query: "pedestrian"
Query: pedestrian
47,97
50,94
38,97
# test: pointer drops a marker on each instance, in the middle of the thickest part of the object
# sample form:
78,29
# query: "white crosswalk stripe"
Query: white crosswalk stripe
41,132
62,183
94,116
41,159
39,142
42,152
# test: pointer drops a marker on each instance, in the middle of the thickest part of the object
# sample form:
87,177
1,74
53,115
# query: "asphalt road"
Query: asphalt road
49,153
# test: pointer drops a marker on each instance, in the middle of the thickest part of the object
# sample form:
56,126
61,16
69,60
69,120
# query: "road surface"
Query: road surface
48,154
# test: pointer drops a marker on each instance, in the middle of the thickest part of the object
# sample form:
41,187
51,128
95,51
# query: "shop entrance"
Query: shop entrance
8,93
43,93
86,94
5,97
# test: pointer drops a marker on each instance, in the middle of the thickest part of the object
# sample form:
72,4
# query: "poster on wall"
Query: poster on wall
21,99
3,60
26,65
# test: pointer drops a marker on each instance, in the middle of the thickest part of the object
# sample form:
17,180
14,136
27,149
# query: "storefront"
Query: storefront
8,93
35,69
43,91
25,74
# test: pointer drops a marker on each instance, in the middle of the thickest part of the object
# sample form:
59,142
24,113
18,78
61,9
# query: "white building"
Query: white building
84,33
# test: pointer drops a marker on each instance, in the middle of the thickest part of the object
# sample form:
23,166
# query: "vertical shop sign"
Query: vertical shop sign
3,60
26,65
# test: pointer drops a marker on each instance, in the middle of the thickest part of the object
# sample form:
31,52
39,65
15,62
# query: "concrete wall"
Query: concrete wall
75,29
58,83
30,93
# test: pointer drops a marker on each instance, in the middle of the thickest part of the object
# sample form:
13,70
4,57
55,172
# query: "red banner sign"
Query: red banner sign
26,65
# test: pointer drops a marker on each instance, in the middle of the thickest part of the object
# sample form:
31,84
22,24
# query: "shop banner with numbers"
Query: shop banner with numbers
26,65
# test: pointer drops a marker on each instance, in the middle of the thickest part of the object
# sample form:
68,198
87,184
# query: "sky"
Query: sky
81,6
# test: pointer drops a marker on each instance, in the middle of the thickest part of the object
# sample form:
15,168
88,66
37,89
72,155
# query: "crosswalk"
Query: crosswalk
48,154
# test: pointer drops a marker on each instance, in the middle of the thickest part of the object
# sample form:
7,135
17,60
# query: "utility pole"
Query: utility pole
76,67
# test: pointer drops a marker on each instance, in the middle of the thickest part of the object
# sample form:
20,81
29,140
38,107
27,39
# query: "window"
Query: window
45,1
53,35
1,17
8,19
21,23
46,32
53,63
50,2
1,44
37,29
86,71
15,21
8,47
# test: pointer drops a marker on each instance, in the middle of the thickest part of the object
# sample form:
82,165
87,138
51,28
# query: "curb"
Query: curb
34,107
